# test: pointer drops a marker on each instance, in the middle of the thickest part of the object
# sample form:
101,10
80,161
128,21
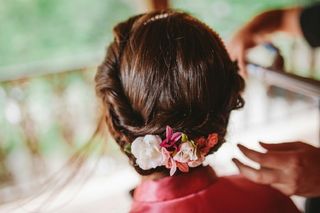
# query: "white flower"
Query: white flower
147,151
186,153
197,162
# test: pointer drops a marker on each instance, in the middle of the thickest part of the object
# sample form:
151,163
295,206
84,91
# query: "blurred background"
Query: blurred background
49,50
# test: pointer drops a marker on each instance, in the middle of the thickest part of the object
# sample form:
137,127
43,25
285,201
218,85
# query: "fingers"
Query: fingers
263,175
242,64
237,52
268,160
287,146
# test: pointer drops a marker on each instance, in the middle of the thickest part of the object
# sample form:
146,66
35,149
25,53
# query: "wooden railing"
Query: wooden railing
294,83
291,82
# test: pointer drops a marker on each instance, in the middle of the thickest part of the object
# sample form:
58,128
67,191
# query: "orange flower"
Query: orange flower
183,167
205,144
201,142
212,140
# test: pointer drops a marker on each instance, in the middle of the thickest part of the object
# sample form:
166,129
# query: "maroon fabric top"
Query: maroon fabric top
202,191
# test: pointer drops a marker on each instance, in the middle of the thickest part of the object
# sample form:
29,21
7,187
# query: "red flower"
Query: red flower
201,142
183,167
212,140
205,144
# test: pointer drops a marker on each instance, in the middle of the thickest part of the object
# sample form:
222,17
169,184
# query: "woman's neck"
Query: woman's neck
154,176
159,175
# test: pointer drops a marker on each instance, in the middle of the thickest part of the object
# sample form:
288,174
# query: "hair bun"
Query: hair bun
173,70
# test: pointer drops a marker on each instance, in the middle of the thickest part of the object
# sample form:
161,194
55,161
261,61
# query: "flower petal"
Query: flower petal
169,132
165,157
197,162
173,167
212,140
164,143
137,146
175,136
152,139
183,167
201,143
147,151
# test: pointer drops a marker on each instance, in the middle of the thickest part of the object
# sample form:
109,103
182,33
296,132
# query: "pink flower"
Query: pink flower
165,157
171,138
173,166
168,161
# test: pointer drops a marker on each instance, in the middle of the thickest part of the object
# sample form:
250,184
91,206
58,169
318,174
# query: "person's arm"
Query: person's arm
260,27
293,168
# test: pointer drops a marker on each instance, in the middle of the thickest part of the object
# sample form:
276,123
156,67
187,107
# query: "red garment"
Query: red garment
202,191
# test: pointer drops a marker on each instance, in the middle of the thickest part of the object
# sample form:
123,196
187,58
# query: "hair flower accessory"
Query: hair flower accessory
171,138
205,144
175,151
187,151
147,151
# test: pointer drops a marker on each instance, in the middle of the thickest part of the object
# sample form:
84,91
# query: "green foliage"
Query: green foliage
37,30
225,16
33,30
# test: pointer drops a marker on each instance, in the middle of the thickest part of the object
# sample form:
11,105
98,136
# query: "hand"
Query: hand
292,168
241,42
257,31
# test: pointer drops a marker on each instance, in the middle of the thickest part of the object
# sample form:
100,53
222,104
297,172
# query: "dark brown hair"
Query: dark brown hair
171,70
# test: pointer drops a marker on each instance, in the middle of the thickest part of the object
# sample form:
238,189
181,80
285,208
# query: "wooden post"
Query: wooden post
157,4
150,5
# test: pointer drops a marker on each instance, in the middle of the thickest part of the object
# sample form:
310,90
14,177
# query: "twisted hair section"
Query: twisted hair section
119,113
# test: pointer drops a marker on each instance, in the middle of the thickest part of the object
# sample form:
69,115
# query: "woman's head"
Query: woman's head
167,69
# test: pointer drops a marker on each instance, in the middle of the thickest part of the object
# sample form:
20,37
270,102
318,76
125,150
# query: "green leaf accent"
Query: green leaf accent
184,137
193,143
127,148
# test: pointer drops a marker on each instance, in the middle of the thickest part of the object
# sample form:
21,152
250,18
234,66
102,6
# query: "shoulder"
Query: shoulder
241,185
247,192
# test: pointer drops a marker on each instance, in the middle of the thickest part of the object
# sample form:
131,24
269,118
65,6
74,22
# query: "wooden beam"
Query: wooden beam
157,4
